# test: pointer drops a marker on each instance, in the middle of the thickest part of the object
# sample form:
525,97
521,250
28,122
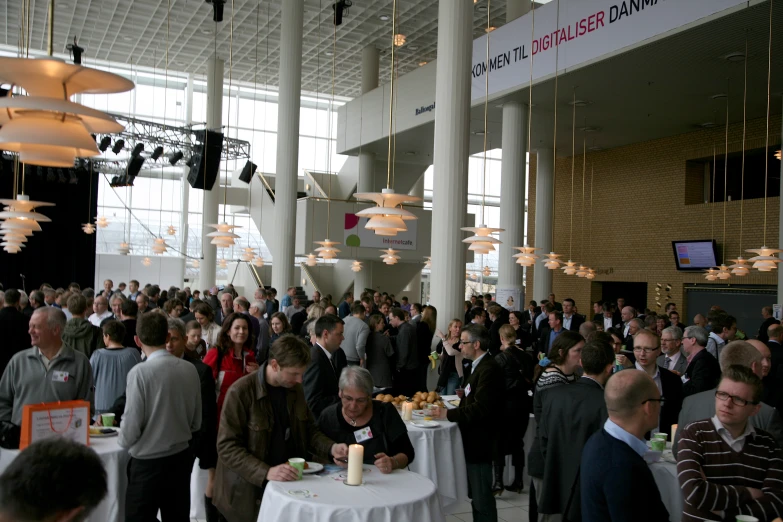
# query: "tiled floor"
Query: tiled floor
511,508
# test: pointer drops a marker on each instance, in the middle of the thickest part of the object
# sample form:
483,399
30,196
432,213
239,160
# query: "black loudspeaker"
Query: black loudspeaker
205,160
134,166
248,171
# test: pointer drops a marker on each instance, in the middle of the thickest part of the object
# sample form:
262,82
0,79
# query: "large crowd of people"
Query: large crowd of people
245,384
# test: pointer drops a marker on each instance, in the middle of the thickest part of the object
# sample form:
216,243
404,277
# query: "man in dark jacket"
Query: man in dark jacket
570,416
80,334
769,320
406,346
478,417
14,336
499,316
612,460
571,320
703,371
265,398
646,349
323,373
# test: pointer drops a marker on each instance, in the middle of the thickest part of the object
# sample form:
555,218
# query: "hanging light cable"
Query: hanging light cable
723,270
570,268
583,270
740,266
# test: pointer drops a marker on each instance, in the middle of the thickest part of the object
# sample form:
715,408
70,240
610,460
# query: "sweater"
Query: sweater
728,475
547,380
110,369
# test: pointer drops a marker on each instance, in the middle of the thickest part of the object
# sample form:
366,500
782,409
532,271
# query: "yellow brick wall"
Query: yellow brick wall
639,207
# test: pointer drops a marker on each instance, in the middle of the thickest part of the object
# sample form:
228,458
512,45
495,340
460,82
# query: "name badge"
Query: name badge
684,379
59,376
518,341
467,390
363,434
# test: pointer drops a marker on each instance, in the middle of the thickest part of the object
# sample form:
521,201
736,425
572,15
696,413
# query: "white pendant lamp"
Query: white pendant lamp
258,261
159,246
764,260
223,237
146,261
195,263
482,242
248,255
102,222
590,274
740,267
551,261
327,249
723,273
223,263
428,264
526,255
487,271
711,274
570,267
582,271
390,256
312,260
356,266
124,249
171,230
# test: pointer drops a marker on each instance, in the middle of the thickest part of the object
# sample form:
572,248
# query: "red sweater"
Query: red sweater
231,369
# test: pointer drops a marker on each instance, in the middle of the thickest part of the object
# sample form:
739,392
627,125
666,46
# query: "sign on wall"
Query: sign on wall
355,235
510,298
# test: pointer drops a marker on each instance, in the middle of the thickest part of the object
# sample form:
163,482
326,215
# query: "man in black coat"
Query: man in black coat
529,317
321,378
499,316
571,320
406,348
769,320
479,417
703,371
647,348
14,326
775,334
570,415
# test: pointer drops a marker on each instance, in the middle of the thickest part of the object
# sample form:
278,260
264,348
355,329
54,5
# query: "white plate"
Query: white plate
425,424
114,433
312,467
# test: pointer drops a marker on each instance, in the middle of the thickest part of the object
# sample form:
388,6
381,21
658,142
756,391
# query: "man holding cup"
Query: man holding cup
727,468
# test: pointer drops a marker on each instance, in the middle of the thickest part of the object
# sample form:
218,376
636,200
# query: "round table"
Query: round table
400,495
665,474
115,462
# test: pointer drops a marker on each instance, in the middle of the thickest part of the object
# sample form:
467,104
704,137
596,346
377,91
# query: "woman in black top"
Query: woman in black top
377,426
522,339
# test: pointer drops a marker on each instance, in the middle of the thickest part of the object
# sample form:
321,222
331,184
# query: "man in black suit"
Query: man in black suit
571,320
570,415
598,311
529,317
478,417
323,373
769,320
550,332
406,346
775,335
703,371
558,306
499,316
14,326
608,318
647,348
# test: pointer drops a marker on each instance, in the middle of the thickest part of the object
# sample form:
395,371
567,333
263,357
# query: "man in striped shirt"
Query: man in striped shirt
726,467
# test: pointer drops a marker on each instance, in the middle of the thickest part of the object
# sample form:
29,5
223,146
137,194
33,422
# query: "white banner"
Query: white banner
585,30
510,298
355,235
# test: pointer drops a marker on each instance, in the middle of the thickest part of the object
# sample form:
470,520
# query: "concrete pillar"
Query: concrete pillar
450,157
516,8
286,175
413,289
366,179
512,186
362,279
545,175
212,197
370,68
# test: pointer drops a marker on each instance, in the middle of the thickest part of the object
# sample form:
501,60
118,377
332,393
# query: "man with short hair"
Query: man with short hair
543,315
635,326
26,491
273,396
133,288
345,307
774,338
703,370
316,296
702,405
121,288
226,307
323,373
50,371
100,307
107,288
295,308
287,299
14,336
50,296
37,299
646,349
769,320
478,417
79,333
554,303
128,313
723,328
153,292
726,466
672,358
415,313
356,334
627,314
674,320
271,303
550,332
162,412
570,415
612,461
143,303
499,316
405,306
116,305
24,304
406,346
571,320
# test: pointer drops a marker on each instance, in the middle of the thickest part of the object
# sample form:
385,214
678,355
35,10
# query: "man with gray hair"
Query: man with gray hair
50,371
703,370
702,405
672,358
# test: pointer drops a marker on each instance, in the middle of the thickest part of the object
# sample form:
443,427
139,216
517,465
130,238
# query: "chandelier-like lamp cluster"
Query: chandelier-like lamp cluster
327,249
390,256
356,266
223,236
388,217
20,221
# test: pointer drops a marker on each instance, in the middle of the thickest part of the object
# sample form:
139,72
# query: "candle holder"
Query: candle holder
353,485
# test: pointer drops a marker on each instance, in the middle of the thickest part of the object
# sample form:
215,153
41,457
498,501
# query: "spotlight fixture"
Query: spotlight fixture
157,153
340,9
384,18
105,142
138,149
118,146
217,9
176,157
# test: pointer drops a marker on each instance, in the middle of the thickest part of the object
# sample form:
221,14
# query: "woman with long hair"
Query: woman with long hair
210,330
523,339
279,326
450,359
425,331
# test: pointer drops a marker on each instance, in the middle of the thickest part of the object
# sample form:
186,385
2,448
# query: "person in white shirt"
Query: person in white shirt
100,308
724,329
626,314
672,358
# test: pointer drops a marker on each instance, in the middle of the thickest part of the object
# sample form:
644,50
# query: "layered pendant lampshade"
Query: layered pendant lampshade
248,255
327,250
223,236
102,222
526,255
88,228
258,261
590,274
146,261
20,221
387,218
473,276
482,241
124,249
45,127
159,246
570,267
740,267
356,266
390,256
723,272
552,262
487,271
195,263
582,271
765,260
223,263
312,260
171,230
711,275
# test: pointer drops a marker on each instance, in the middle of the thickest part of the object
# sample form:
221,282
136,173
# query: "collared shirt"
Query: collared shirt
567,322
476,362
553,335
598,383
328,354
715,344
638,445
625,329
735,444
540,319
48,362
608,323
672,359
657,379
96,319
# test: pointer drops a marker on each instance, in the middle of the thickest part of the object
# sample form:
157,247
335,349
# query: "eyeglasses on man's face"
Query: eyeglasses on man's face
661,400
738,401
647,349
465,342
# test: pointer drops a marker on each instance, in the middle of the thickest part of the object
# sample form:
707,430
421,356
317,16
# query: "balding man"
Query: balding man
769,320
771,389
626,314
774,338
702,405
635,326
226,307
100,309
50,371
646,349
700,321
612,460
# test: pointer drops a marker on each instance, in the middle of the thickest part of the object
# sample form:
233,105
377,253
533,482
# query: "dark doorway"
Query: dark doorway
635,294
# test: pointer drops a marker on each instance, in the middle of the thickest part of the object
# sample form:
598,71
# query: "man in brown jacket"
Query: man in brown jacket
257,435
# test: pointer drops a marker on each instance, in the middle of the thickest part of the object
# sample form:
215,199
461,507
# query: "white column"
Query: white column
366,178
414,287
450,157
287,174
516,8
370,68
362,279
212,197
512,186
780,239
542,276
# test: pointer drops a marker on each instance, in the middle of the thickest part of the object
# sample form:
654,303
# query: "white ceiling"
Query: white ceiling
126,31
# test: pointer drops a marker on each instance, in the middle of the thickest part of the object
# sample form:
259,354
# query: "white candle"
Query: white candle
355,462
407,411
674,430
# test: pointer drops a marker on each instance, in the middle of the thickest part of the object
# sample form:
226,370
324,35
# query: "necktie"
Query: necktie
667,362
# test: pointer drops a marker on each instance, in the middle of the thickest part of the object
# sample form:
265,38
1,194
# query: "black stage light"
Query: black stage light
340,9
105,142
217,9
118,146
157,153
176,157
138,149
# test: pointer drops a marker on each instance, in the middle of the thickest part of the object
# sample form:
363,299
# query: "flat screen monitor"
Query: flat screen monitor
695,255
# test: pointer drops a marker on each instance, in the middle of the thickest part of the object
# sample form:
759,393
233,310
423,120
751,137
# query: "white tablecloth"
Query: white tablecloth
400,495
665,474
115,461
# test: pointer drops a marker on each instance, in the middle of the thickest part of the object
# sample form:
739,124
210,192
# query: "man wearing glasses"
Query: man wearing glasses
646,349
703,370
672,358
726,467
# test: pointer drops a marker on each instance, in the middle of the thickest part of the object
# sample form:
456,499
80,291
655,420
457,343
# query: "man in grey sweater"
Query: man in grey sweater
162,411
356,333
50,371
